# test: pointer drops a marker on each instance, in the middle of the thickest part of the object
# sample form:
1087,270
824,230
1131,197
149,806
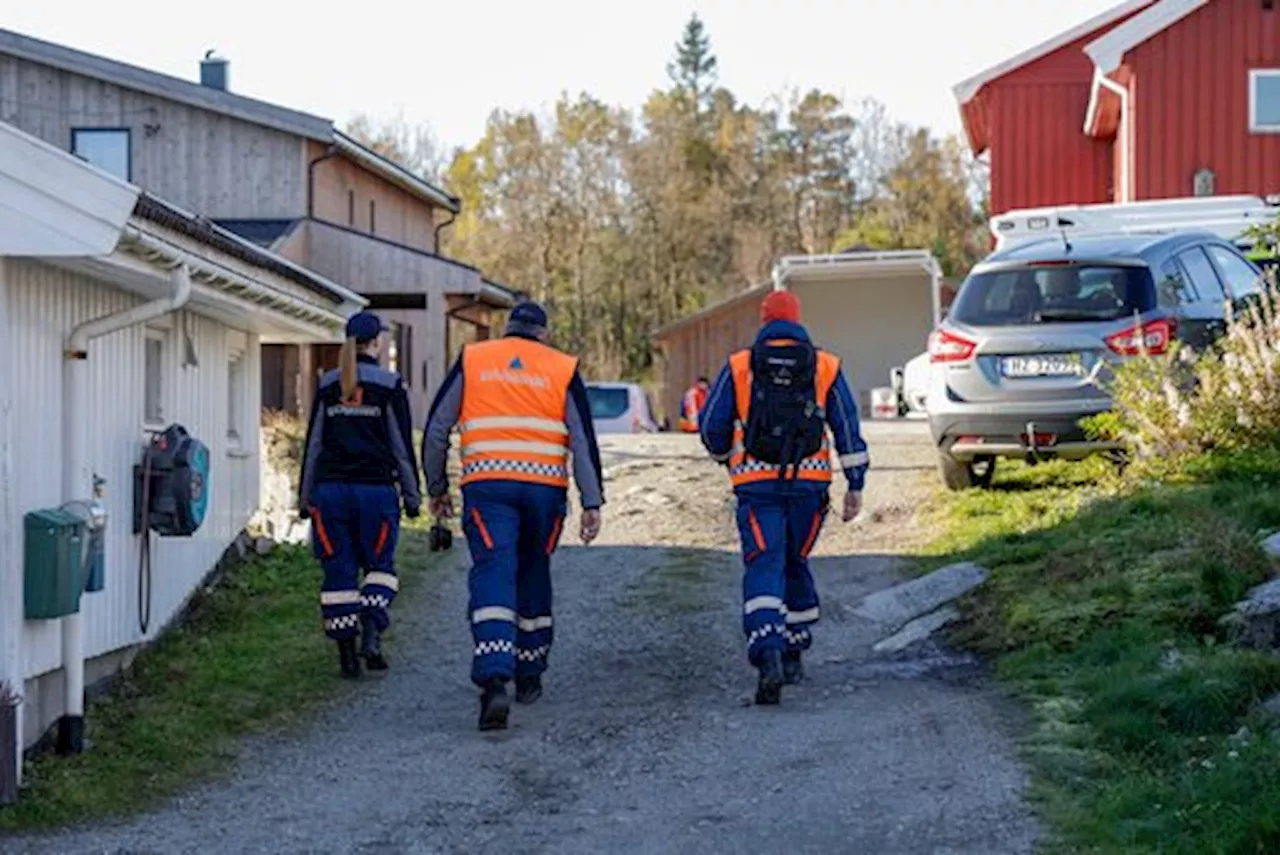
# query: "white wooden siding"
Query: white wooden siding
45,302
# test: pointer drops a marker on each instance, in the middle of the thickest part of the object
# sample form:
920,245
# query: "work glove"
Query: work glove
304,513
412,511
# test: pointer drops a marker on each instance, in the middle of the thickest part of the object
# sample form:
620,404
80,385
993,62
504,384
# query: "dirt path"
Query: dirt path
646,740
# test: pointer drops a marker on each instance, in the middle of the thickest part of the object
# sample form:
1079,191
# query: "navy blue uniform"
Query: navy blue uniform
357,453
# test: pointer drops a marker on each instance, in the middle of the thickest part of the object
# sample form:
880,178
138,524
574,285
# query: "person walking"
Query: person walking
695,398
522,411
767,420
359,449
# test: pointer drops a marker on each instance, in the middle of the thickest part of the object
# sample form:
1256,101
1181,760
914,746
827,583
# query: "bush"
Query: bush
284,435
1172,409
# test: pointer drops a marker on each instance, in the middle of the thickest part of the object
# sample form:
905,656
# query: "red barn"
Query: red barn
1153,99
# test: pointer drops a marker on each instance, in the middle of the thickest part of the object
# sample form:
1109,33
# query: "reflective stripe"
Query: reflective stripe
485,422
549,448
806,616
339,598
534,624
755,604
501,613
857,458
386,580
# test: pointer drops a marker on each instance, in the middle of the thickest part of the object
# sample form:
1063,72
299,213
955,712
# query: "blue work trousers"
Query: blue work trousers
512,528
779,525
354,528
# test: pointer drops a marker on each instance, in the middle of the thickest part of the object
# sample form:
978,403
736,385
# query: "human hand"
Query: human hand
442,506
304,513
412,511
852,505
590,525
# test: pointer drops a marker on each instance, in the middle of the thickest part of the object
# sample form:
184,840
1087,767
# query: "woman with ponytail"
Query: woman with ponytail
358,468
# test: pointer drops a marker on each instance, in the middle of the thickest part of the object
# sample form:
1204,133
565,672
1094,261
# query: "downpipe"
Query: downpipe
1126,172
77,481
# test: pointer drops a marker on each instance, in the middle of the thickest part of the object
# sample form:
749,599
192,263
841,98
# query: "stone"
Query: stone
1271,546
263,545
1255,621
895,607
917,630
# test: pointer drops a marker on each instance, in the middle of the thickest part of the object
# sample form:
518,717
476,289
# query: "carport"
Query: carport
873,309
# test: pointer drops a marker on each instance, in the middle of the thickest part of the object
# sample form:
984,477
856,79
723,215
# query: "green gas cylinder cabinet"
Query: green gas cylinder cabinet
53,564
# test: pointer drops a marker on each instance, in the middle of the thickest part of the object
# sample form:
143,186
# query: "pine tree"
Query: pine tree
694,70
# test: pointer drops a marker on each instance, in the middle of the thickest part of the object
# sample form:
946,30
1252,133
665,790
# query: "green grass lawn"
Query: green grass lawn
251,656
1103,611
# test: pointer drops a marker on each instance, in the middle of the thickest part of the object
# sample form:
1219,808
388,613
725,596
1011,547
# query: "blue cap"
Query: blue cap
529,313
364,326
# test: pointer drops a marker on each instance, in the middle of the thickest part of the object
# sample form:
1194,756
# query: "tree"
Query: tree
693,71
415,147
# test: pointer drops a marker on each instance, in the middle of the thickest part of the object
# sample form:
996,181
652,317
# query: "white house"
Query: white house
121,314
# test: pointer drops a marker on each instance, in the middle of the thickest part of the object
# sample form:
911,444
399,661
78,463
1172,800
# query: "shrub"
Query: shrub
284,436
1173,408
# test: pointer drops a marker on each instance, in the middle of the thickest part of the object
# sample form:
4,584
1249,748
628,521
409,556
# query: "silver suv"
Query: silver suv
1035,330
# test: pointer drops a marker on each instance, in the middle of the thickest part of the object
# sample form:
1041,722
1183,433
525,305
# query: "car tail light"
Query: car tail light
1155,337
946,346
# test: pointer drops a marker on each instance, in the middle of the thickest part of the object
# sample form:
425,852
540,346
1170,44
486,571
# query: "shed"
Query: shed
874,310
121,315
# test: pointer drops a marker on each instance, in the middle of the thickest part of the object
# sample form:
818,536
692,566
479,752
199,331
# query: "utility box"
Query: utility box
53,564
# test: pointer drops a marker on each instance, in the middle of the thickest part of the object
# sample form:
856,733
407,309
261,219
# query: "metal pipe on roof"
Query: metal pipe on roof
1126,151
440,228
331,151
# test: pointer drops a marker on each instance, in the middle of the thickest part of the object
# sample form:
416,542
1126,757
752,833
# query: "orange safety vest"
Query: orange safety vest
690,406
744,469
514,393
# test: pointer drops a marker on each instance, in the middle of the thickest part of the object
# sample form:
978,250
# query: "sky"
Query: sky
449,64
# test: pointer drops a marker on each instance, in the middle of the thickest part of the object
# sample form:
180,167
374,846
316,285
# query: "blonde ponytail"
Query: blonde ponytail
348,370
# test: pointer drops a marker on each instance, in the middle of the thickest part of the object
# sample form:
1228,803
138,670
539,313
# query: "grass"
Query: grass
250,657
1103,611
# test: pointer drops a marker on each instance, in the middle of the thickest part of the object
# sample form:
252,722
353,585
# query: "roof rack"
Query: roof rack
1226,216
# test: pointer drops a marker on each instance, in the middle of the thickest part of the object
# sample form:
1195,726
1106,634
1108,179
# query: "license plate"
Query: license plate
1042,365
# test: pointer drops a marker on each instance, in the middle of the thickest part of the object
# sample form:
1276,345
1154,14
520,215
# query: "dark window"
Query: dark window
1045,294
1242,279
1203,277
109,149
351,207
373,218
606,402
1173,290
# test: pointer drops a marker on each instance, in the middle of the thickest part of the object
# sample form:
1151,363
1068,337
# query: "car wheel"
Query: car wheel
959,475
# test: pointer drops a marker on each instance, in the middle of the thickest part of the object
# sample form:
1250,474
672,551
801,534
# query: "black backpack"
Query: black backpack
785,421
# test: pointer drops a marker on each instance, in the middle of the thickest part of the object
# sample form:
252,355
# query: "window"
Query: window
155,350
406,355
1053,294
373,218
1173,290
109,149
608,402
393,346
1203,277
237,391
1264,100
1241,278
351,207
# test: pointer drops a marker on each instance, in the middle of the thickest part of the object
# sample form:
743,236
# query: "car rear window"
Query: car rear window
1053,294
606,403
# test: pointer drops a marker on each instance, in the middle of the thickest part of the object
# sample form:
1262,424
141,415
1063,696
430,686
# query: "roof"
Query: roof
967,89
247,109
1107,52
207,232
753,293
56,205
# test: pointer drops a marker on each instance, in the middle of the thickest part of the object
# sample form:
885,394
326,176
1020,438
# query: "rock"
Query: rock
1271,706
917,630
242,544
1271,546
1255,621
894,607
264,545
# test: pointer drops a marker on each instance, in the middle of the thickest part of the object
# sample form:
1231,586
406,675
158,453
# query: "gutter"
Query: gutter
77,479
452,216
330,152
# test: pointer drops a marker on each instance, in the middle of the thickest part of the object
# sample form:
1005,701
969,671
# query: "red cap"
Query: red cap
780,306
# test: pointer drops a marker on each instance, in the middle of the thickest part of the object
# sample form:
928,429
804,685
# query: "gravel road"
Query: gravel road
645,739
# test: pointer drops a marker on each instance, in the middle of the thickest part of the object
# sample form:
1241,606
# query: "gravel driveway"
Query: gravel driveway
645,740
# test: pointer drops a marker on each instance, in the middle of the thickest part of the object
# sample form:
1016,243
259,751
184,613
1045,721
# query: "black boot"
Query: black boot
347,659
769,689
371,644
528,688
495,706
792,667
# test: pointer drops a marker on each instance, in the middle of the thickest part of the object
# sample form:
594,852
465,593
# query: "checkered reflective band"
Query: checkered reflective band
515,466
809,464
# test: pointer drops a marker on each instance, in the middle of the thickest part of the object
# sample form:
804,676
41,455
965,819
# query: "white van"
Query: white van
620,408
